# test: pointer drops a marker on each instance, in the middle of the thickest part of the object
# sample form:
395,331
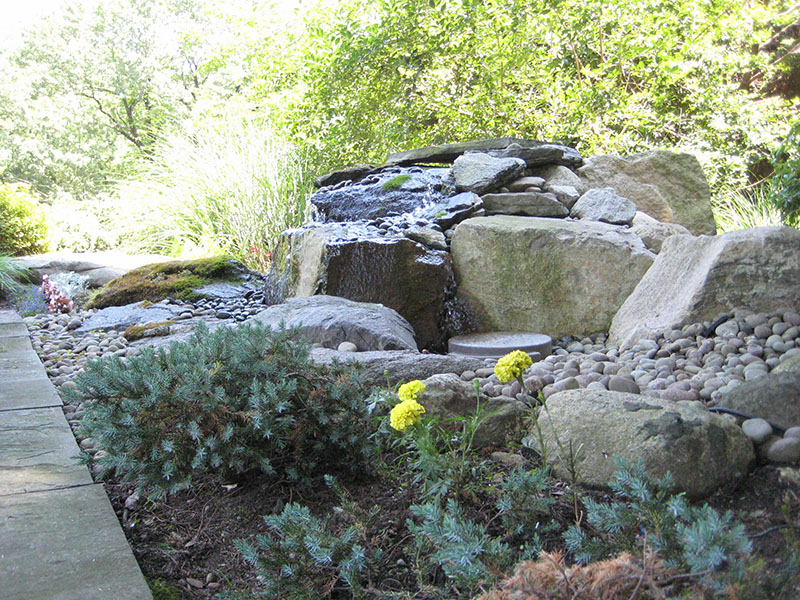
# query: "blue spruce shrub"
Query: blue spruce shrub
229,401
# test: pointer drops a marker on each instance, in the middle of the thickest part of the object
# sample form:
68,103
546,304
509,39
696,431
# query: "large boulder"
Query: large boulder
551,276
775,398
668,186
366,264
480,173
695,279
447,396
654,232
329,321
392,367
604,204
581,431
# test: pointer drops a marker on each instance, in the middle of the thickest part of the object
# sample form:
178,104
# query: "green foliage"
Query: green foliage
523,503
226,185
363,78
698,539
28,300
395,183
465,551
302,557
441,455
230,401
22,222
161,590
91,85
11,273
742,209
785,183
172,278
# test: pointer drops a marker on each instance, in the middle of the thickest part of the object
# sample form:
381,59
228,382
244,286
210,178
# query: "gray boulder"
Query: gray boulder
653,232
551,276
668,186
447,395
774,398
364,264
560,175
542,154
583,430
568,195
122,317
695,279
537,152
480,173
604,204
99,267
391,367
329,321
532,204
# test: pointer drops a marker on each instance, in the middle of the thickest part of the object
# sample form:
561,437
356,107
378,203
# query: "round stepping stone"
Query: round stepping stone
496,344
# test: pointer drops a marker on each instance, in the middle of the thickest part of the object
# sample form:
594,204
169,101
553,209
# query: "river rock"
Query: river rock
774,397
695,279
654,232
391,367
481,173
330,321
604,204
668,186
385,191
583,430
363,264
532,204
551,276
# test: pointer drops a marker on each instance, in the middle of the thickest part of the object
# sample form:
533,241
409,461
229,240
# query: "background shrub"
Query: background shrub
785,184
22,222
230,401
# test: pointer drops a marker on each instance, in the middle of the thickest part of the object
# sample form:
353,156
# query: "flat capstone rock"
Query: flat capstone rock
499,343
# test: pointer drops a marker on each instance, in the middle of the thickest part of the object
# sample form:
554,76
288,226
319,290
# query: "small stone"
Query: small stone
132,501
758,430
222,314
195,583
347,347
762,331
792,318
468,375
792,432
786,450
618,383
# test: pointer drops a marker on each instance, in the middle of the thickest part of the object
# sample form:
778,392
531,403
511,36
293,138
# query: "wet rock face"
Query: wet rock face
384,192
362,262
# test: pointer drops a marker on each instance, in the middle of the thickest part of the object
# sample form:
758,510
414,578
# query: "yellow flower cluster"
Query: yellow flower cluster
406,414
411,390
512,365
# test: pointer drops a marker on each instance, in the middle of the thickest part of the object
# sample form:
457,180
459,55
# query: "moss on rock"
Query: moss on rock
179,278
136,332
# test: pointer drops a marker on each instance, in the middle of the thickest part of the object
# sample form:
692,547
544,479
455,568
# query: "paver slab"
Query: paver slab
11,361
15,344
28,393
66,545
36,450
9,316
19,371
13,329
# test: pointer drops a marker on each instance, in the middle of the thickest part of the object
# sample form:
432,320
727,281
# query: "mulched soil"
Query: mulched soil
186,542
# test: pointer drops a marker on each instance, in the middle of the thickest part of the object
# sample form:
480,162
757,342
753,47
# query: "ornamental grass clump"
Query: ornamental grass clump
229,401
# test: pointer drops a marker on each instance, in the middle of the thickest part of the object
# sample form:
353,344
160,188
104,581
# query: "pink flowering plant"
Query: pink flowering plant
56,300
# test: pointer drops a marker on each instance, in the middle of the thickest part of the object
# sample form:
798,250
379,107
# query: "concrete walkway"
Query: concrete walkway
59,536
